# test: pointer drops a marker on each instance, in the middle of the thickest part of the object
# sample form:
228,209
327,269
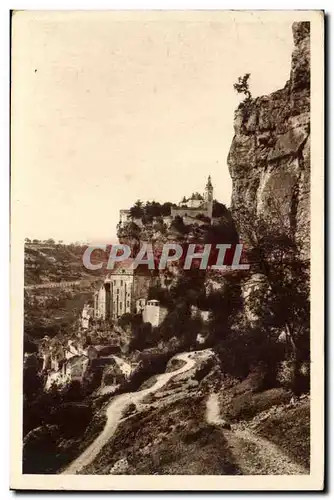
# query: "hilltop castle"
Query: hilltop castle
196,205
188,208
125,290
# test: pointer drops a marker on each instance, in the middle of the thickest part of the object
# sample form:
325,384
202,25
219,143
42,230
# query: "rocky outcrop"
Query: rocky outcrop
269,159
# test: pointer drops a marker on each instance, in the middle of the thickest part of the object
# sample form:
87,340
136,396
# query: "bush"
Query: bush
72,418
285,373
129,410
40,450
203,218
241,352
150,364
290,430
247,405
294,377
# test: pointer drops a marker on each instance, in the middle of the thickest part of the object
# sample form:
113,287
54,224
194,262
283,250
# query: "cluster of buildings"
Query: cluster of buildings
124,291
71,361
195,206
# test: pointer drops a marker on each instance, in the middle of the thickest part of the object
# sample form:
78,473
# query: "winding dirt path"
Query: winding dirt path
115,411
253,454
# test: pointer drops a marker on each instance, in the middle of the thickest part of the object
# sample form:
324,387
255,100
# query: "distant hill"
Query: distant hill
45,262
49,310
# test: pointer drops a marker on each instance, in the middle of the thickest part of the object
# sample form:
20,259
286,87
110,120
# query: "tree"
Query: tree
130,319
179,225
156,292
219,209
166,208
274,253
142,336
242,86
152,209
137,211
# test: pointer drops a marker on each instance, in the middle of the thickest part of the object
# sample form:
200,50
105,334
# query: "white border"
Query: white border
317,223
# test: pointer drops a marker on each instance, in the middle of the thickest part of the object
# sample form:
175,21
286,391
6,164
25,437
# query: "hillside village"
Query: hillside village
125,300
192,371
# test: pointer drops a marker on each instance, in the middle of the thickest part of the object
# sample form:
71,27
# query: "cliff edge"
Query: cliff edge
269,159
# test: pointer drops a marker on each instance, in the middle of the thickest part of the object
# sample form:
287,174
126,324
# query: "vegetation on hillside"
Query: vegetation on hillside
150,209
56,262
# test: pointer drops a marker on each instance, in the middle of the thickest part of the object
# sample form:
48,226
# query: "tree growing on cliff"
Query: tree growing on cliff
273,252
242,86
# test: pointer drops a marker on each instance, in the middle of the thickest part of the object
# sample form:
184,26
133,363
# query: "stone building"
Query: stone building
154,313
190,208
120,291
196,205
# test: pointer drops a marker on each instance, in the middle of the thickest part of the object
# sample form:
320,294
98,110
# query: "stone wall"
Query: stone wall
193,212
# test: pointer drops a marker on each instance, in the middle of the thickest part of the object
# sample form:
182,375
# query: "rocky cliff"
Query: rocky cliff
269,159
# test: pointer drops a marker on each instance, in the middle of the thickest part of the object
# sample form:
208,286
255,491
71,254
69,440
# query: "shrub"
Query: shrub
40,450
129,410
242,86
247,405
285,373
72,418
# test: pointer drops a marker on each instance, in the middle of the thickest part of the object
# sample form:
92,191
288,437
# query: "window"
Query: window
120,306
121,282
128,304
117,291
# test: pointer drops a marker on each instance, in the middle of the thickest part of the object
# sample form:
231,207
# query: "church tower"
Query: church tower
208,197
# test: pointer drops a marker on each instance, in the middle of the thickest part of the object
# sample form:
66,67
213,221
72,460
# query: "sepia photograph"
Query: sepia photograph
167,250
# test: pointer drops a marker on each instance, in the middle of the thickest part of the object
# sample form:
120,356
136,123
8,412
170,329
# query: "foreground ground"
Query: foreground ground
187,422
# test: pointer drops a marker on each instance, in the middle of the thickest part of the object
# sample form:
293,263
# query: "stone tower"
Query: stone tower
208,197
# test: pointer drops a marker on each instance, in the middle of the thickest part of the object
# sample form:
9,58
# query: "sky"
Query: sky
111,108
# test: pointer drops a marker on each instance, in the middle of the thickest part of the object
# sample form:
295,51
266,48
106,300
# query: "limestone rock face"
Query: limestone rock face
254,291
269,158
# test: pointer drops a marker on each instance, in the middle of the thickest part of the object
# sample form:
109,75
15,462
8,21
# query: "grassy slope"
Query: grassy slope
269,414
169,439
290,429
